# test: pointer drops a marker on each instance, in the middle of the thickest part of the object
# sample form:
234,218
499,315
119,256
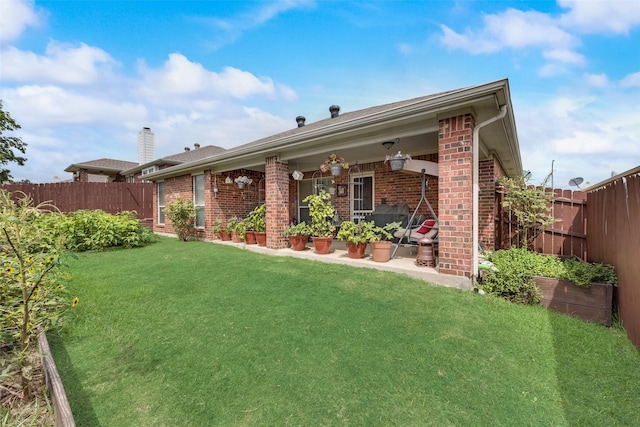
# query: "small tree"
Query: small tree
31,295
530,205
182,216
8,144
321,211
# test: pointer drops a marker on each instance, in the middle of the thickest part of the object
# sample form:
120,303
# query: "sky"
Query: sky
82,78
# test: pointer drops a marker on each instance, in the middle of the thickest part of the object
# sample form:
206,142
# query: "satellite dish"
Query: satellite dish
526,174
575,182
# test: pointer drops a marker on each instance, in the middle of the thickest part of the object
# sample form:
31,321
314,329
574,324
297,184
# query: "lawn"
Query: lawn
198,334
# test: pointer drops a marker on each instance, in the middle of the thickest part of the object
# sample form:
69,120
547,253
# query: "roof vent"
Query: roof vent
300,120
335,111
187,149
196,145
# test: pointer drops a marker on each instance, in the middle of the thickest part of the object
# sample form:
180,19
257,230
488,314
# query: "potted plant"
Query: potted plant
321,211
380,239
355,237
243,181
216,229
258,219
397,160
298,235
237,229
250,234
334,164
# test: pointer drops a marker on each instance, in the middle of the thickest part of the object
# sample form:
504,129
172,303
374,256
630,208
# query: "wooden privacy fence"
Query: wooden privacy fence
111,197
566,237
614,238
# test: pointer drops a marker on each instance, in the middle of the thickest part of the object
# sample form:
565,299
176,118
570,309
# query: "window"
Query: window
160,203
362,198
149,170
198,199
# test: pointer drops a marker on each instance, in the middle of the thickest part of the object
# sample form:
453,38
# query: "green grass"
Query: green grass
197,334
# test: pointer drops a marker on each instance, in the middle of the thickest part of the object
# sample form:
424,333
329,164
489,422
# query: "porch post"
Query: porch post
277,201
455,195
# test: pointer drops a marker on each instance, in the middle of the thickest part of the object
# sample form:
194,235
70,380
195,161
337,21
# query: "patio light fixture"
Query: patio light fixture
228,180
388,144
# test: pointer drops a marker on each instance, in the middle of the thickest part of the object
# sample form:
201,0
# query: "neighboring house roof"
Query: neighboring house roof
101,166
188,155
357,135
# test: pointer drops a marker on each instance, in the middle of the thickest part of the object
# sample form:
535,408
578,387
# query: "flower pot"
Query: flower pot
381,251
261,237
397,164
298,243
241,185
235,238
250,238
322,244
356,250
225,236
336,169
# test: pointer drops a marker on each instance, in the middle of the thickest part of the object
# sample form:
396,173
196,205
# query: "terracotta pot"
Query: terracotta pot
261,237
381,251
322,244
235,238
250,238
356,250
298,243
225,236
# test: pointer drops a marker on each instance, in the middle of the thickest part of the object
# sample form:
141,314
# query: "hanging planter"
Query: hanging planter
243,181
334,164
397,161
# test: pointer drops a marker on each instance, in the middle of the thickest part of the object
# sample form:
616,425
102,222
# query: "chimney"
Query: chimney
146,146
300,120
196,145
187,149
335,111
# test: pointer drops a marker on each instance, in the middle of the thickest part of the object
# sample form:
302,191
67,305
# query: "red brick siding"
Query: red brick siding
490,172
277,185
455,198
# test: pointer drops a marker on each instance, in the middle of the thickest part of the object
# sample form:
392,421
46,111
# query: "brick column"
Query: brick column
277,201
455,195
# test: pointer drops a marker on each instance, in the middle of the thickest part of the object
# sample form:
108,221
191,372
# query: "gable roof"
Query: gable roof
177,159
359,133
101,166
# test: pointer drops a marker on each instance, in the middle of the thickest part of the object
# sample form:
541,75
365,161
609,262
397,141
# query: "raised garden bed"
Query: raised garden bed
593,303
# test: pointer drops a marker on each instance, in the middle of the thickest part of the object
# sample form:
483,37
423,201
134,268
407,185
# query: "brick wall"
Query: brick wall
455,196
277,185
490,171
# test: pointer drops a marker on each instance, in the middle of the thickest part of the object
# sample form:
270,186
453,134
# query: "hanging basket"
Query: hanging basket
241,185
336,169
397,164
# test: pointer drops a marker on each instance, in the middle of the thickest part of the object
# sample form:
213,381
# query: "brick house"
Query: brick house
469,134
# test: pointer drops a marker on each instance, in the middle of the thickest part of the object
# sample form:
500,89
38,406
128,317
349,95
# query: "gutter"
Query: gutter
476,184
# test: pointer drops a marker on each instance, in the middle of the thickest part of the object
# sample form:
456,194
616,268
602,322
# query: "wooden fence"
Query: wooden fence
614,238
566,237
112,197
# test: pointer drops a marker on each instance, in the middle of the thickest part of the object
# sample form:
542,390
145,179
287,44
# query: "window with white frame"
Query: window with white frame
147,171
161,202
198,199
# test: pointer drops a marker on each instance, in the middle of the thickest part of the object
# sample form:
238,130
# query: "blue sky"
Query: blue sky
83,77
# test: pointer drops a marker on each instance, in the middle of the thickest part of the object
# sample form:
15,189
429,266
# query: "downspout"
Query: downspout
476,184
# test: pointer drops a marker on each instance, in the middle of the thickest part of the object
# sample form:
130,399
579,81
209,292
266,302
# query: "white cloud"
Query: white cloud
62,63
583,143
15,16
511,29
181,77
610,16
564,55
597,80
631,80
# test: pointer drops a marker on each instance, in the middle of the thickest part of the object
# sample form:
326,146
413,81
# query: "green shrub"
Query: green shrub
182,215
96,230
516,267
32,297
